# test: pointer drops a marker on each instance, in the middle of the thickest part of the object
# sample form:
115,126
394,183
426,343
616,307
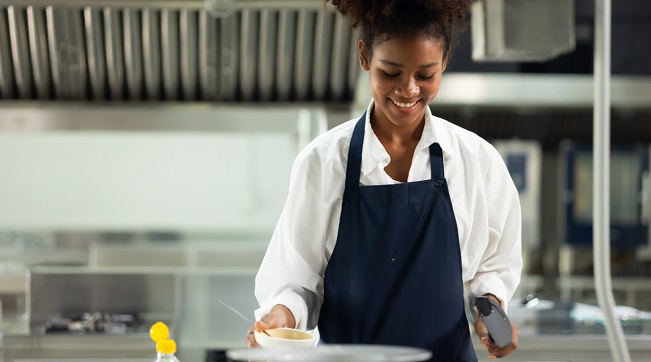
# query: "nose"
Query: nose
409,89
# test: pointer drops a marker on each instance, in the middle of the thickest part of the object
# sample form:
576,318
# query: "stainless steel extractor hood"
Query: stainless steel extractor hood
522,30
175,50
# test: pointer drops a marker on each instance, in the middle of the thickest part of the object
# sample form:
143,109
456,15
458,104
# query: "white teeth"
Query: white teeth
404,105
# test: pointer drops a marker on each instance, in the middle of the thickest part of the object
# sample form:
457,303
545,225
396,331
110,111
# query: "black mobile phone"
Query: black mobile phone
498,324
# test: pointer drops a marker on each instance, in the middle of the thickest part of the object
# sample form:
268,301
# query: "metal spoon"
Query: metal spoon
240,314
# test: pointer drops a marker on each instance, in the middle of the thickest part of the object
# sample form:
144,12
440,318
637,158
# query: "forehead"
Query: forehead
405,50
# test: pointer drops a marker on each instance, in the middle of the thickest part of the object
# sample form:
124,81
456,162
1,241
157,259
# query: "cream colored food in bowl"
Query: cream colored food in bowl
285,337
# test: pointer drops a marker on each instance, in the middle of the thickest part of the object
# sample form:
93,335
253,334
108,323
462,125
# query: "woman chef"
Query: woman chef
391,218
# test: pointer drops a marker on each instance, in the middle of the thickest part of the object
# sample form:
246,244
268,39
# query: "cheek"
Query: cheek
379,85
382,88
432,88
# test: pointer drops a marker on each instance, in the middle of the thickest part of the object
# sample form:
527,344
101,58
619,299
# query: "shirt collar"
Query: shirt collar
374,154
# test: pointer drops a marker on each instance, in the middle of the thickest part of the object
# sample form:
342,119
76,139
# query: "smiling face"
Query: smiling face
405,76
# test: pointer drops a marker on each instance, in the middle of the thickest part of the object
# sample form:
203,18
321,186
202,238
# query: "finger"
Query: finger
482,332
515,336
276,318
497,352
503,352
262,326
250,339
268,321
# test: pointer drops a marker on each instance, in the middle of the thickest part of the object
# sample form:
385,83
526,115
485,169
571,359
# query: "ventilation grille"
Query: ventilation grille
118,54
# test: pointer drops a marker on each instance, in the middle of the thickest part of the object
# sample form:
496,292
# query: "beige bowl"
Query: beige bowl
285,337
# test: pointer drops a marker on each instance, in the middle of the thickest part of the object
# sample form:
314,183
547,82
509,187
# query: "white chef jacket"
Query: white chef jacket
484,199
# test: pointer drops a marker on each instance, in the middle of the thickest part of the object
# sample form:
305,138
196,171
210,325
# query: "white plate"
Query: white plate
333,352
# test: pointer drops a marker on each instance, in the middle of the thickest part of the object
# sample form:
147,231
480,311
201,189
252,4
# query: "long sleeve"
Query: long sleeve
291,271
500,264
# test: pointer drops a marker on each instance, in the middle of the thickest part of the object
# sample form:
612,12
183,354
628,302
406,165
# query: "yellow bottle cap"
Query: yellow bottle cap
166,346
159,332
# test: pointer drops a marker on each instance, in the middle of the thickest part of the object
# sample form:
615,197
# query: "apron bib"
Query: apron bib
394,277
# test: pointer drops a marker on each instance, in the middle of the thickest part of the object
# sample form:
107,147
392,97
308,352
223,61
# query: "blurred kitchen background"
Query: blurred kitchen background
146,147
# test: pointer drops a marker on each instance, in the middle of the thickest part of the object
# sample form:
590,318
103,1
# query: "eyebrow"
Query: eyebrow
398,65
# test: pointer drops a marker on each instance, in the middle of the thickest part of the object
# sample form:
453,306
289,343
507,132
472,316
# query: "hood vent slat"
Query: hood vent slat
133,52
170,48
229,58
114,53
267,59
67,53
248,53
95,52
20,51
208,57
6,70
151,47
286,54
38,49
303,68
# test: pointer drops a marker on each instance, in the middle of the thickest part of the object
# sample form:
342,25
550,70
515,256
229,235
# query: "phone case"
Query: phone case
498,324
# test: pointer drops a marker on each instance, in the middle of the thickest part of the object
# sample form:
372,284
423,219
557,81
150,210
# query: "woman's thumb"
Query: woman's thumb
262,326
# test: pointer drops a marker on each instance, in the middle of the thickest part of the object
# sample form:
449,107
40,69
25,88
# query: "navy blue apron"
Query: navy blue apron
394,277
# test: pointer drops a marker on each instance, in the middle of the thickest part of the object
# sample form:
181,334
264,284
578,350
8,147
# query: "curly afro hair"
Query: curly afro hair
379,20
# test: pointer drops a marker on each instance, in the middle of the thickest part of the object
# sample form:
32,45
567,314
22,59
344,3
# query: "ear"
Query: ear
447,56
364,60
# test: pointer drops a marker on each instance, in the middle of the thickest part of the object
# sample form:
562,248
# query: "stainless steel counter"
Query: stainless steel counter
83,347
190,289
570,348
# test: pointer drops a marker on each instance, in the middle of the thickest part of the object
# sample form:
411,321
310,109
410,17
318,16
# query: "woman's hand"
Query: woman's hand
278,317
493,350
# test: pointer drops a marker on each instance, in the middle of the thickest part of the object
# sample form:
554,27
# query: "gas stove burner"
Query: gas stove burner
93,323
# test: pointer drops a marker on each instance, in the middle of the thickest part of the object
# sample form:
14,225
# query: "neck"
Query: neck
388,132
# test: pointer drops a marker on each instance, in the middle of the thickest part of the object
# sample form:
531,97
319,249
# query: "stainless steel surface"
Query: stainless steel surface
77,348
527,90
278,118
133,52
569,348
170,53
96,58
6,70
522,30
601,181
189,54
533,90
19,51
285,56
153,296
151,50
183,4
244,256
114,52
39,53
248,53
173,51
67,52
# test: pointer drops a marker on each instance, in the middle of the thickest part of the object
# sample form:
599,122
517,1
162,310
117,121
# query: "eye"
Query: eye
426,77
390,75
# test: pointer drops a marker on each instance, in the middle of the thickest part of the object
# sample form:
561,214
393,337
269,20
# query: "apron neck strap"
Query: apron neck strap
436,161
354,163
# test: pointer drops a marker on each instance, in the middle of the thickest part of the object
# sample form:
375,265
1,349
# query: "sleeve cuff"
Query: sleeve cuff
488,284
